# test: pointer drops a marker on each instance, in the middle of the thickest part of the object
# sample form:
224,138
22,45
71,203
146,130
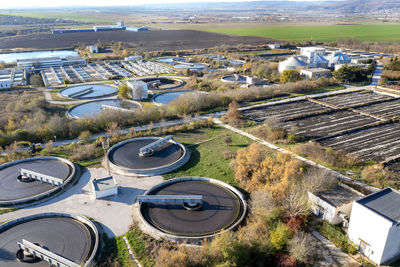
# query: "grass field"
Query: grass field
325,33
206,146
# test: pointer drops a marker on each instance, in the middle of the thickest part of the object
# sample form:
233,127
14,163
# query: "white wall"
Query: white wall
5,84
392,248
330,212
371,228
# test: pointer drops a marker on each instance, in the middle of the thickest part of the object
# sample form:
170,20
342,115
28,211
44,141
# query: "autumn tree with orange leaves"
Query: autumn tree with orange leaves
254,170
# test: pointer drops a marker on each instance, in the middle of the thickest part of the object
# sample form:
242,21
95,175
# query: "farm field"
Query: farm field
81,17
323,33
145,41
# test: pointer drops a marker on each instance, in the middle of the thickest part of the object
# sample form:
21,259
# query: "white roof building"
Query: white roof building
139,90
292,63
375,225
338,58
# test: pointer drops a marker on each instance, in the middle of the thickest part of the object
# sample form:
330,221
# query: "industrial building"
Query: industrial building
292,63
12,77
316,73
42,63
375,225
93,49
139,90
119,27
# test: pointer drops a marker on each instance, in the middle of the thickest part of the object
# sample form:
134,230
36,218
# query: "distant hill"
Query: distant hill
365,6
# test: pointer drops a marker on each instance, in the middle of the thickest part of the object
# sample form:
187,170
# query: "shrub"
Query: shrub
280,236
326,155
337,236
290,76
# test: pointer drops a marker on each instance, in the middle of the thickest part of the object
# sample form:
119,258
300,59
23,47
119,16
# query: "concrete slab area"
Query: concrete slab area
114,213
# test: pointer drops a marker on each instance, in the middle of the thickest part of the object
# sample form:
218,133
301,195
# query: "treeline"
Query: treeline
353,43
33,120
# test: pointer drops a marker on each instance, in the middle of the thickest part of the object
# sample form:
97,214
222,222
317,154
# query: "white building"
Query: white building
375,225
104,187
139,90
292,63
338,58
5,83
334,205
274,46
363,66
316,73
308,51
93,49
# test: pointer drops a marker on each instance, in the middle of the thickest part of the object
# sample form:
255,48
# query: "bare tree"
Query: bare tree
317,180
301,247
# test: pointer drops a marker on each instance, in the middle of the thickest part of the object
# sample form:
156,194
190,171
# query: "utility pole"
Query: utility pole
106,146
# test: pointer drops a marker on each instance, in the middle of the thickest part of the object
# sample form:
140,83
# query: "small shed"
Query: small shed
334,205
316,73
139,90
104,187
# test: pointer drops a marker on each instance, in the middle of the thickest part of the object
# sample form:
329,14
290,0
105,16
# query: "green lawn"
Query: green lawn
325,33
207,146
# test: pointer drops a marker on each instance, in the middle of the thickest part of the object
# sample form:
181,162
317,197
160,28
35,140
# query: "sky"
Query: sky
4,4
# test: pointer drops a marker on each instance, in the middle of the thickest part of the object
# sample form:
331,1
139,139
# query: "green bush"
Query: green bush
337,236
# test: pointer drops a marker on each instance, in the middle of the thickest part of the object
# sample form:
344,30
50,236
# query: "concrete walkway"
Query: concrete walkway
329,254
113,213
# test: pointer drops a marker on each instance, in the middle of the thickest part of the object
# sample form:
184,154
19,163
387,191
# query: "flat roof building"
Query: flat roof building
316,73
334,205
104,187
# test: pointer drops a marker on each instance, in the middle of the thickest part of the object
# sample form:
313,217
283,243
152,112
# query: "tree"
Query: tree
290,76
348,74
36,80
234,116
228,140
124,90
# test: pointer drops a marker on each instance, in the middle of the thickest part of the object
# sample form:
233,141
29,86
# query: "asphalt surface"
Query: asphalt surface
128,155
63,236
12,189
220,209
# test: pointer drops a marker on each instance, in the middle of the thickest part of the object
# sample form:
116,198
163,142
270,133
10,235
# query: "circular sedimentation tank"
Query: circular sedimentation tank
165,83
223,208
88,91
172,59
191,66
166,98
72,237
93,108
124,157
14,190
234,79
